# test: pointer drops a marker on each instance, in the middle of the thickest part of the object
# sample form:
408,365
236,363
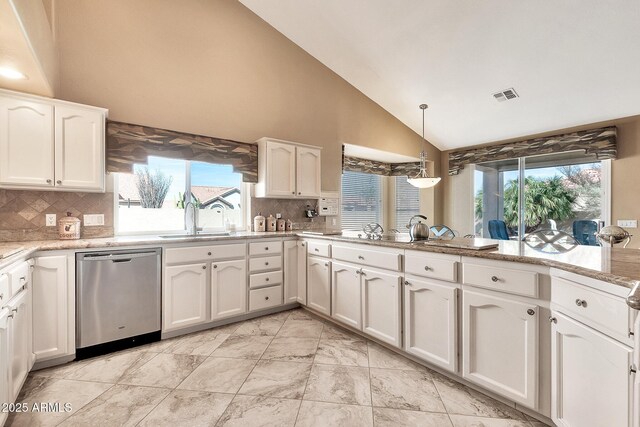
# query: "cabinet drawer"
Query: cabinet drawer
265,279
18,277
319,249
604,312
519,282
265,298
441,267
265,248
203,253
265,263
374,258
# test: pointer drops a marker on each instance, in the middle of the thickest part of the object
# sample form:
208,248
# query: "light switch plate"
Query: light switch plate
93,220
628,223
50,220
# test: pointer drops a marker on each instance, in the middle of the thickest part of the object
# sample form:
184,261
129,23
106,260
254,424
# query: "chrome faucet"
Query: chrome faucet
190,219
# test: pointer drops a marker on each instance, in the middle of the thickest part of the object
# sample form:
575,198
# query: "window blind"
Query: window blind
361,200
407,202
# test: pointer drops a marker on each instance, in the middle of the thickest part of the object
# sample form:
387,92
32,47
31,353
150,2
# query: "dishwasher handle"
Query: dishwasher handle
119,257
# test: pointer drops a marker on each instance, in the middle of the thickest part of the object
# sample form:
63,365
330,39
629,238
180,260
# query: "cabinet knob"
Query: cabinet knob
204,267
266,298
10,316
48,181
15,310
407,283
494,278
581,303
326,264
58,182
215,265
266,248
553,319
293,192
317,250
266,263
266,279
427,268
209,253
360,257
1,296
299,193
302,244
531,312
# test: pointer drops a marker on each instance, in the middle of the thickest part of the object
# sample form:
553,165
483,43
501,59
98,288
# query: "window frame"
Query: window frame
112,184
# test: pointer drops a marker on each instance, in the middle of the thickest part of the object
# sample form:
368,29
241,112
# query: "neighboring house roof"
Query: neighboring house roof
128,191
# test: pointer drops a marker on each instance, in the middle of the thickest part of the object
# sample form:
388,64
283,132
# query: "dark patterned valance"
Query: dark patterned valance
599,142
355,164
129,144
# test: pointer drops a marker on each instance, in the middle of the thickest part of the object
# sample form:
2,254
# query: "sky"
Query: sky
205,174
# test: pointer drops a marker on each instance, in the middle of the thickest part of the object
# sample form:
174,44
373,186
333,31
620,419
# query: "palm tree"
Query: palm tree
544,199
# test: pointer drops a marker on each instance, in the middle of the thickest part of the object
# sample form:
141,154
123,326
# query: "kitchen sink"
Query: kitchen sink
187,236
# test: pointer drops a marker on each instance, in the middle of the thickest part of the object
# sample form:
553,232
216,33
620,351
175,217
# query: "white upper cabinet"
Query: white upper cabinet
79,148
47,144
26,143
308,173
287,170
500,345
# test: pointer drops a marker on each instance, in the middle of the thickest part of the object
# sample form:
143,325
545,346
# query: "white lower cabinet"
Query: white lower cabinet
228,288
53,308
4,361
185,296
319,284
431,321
381,305
20,357
292,265
500,345
346,305
591,377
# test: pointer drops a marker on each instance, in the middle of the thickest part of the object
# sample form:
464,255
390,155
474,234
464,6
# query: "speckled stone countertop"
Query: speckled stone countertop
613,265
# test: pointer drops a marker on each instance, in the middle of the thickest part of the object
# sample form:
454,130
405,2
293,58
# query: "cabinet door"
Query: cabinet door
346,294
290,271
281,169
4,366
302,273
381,306
26,143
500,345
591,380
319,284
79,134
308,172
228,288
19,346
185,296
430,322
51,332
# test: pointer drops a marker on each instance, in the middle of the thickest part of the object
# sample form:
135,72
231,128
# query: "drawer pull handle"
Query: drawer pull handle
531,312
209,253
427,268
15,310
553,319
317,250
10,316
581,303
495,279
23,279
1,296
360,257
266,279
266,298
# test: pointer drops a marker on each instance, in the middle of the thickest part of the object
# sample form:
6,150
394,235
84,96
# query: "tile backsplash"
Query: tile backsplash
22,213
292,209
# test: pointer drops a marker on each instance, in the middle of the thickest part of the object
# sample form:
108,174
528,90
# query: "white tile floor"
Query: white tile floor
284,369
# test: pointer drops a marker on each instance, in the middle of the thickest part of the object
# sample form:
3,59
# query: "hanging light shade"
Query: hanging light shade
422,179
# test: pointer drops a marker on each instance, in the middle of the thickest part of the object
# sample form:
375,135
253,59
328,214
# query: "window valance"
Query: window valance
599,142
355,164
129,144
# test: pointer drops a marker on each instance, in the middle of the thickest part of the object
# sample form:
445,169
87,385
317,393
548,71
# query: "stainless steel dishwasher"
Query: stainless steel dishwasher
117,300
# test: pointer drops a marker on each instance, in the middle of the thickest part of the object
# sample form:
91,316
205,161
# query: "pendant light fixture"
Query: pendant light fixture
422,179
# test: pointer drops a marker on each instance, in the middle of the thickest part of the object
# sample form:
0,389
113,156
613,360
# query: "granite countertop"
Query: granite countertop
613,265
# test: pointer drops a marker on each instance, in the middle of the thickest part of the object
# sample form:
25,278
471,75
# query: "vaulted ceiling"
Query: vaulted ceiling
571,62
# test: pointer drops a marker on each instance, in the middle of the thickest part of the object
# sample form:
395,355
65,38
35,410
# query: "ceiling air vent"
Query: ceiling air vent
506,95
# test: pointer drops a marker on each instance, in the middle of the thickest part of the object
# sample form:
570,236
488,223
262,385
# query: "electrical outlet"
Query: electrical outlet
50,220
628,223
93,220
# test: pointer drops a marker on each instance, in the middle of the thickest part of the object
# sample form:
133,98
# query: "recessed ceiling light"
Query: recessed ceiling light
11,73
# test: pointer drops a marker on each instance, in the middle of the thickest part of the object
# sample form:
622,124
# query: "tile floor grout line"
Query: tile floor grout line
441,399
304,391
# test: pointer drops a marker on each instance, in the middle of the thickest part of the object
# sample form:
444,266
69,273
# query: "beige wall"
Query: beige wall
625,178
212,67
